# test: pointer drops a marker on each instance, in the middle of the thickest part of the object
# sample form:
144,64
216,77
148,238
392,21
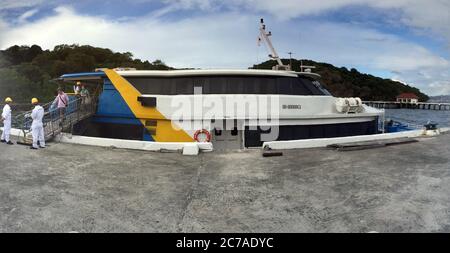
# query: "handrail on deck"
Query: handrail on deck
78,109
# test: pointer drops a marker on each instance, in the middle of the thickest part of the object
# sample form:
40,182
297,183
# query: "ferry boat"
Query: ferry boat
230,108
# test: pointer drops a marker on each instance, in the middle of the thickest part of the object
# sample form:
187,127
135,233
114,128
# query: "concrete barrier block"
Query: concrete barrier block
190,149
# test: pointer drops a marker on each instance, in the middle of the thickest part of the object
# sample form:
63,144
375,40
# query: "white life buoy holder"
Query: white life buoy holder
200,132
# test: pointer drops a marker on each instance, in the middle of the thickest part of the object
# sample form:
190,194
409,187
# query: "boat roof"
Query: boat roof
189,72
83,75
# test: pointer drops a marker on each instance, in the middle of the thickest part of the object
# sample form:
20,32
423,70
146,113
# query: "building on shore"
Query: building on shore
408,98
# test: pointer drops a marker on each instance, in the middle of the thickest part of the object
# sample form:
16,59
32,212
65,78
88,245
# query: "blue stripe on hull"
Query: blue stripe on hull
112,109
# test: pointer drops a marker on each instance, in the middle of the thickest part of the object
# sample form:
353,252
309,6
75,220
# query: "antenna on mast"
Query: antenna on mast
264,36
290,58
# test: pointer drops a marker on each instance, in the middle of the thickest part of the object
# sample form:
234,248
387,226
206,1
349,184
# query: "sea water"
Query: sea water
418,118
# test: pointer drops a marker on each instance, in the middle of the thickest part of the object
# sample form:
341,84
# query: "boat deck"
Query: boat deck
399,188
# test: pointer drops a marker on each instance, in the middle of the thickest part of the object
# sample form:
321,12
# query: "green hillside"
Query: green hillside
26,72
342,82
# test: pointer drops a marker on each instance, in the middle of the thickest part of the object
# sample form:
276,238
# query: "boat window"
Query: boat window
184,86
152,85
228,85
203,83
217,85
312,86
252,85
235,85
284,85
267,85
298,88
321,88
167,86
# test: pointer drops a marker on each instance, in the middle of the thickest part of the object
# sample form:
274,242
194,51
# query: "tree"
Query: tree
15,85
30,69
31,53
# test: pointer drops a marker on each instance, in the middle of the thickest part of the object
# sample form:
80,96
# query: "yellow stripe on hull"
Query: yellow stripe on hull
165,132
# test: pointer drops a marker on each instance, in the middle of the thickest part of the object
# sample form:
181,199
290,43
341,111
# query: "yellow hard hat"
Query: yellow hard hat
34,101
8,100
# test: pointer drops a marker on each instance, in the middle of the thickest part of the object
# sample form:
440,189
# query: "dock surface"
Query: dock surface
74,188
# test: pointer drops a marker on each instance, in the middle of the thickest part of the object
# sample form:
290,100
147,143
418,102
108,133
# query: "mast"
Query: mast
290,58
264,36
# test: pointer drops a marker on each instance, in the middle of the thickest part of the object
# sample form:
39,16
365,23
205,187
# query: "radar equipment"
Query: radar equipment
305,68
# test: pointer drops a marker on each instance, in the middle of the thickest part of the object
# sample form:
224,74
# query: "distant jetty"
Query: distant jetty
401,105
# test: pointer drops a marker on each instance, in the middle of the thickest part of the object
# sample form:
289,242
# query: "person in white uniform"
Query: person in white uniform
77,88
37,127
6,119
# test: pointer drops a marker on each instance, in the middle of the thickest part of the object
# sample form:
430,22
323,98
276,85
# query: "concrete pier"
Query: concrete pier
399,105
64,188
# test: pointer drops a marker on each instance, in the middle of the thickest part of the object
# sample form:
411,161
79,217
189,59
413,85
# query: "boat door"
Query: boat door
224,137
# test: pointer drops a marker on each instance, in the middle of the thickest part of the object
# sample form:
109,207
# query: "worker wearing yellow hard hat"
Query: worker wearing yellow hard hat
6,119
37,127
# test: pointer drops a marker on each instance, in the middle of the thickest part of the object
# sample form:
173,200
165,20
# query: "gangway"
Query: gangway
78,109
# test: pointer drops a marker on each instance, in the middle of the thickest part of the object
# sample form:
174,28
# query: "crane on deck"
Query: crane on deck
265,37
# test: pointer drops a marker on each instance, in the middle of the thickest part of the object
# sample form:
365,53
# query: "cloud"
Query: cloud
357,46
428,16
175,5
3,29
228,39
434,81
439,87
14,4
413,58
196,42
26,15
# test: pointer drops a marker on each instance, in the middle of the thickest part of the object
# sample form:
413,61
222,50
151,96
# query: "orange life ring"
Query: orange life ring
203,131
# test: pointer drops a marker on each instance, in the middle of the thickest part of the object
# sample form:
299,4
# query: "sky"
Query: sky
404,40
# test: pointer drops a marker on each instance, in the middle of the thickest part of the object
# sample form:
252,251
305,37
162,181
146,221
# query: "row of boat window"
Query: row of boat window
228,85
